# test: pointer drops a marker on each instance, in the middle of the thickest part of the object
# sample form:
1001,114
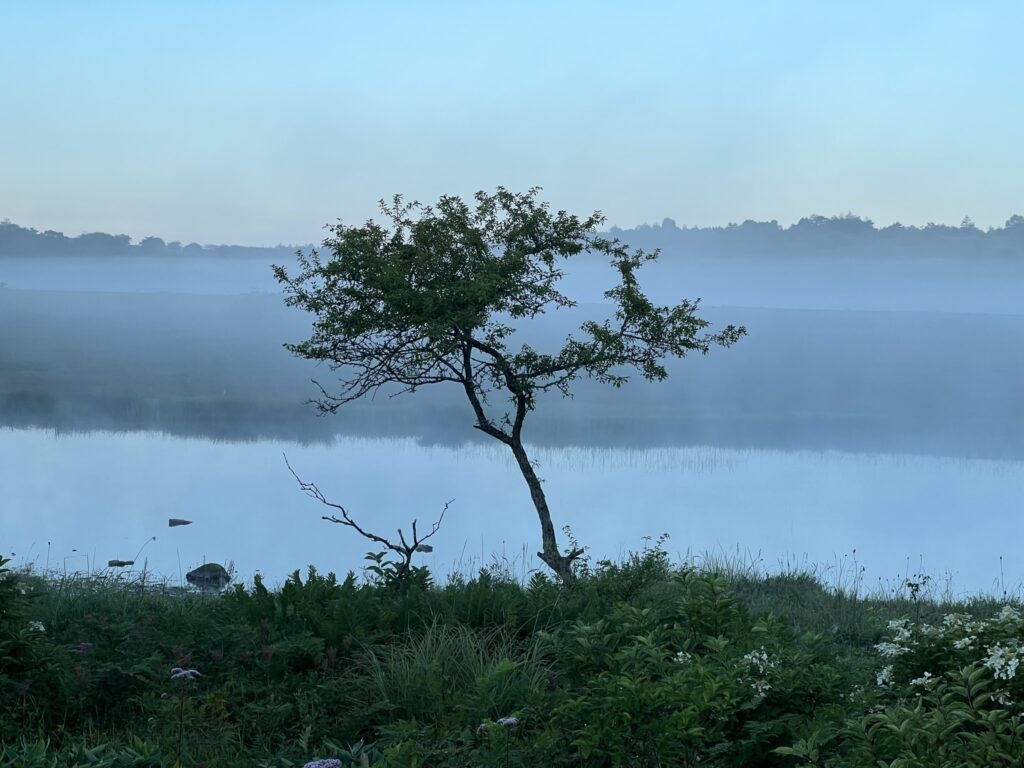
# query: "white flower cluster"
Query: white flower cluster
962,631
902,638
184,674
682,657
926,680
884,677
963,622
1008,613
891,650
902,630
1003,661
760,660
964,625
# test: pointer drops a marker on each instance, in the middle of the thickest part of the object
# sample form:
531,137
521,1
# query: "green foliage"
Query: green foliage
688,679
423,290
957,722
12,596
40,754
948,694
389,573
638,663
15,640
27,663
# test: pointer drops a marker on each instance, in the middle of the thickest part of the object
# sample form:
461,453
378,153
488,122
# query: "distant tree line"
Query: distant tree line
25,241
835,235
846,235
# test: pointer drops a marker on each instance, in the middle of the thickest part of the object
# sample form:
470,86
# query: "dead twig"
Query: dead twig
405,549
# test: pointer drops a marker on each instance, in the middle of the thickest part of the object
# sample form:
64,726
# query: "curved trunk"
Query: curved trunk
559,563
549,554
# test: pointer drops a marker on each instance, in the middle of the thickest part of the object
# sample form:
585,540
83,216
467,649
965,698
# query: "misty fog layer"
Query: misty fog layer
842,262
873,406
203,276
214,366
985,286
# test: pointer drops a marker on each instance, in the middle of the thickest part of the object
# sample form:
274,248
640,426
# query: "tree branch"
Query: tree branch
483,423
405,549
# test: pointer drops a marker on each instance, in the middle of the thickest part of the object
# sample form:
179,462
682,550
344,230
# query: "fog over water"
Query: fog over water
156,274
898,284
874,407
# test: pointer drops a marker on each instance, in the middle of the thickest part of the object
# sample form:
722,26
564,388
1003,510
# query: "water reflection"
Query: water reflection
76,501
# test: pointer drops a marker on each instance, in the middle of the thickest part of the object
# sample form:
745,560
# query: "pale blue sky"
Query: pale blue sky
257,123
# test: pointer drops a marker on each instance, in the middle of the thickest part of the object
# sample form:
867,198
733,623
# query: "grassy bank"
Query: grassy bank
640,663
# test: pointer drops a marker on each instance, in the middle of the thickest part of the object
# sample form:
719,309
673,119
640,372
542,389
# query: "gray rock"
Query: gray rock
209,576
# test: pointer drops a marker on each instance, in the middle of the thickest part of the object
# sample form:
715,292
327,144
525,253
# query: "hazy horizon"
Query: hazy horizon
257,124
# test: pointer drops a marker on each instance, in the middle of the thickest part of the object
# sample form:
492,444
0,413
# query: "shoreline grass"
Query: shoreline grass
643,662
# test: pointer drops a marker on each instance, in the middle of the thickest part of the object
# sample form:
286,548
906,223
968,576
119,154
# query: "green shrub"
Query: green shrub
39,754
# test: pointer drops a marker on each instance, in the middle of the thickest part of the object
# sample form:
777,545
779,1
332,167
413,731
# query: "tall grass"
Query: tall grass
452,671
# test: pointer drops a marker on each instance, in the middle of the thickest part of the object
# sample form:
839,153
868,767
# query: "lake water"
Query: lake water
75,501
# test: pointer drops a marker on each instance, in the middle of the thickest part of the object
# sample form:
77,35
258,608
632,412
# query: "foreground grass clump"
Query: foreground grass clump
638,663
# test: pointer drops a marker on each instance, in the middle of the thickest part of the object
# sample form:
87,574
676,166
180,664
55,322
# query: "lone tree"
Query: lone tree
428,298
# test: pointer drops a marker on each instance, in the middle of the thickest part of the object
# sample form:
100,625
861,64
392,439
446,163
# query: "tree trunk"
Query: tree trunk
559,563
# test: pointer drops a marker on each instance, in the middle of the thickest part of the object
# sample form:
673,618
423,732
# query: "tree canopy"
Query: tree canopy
434,293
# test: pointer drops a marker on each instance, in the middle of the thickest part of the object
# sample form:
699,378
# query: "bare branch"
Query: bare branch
405,550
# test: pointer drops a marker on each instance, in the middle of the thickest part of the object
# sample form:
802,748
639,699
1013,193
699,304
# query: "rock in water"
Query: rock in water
209,576
176,521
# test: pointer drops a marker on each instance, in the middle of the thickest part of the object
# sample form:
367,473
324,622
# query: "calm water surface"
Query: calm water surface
76,501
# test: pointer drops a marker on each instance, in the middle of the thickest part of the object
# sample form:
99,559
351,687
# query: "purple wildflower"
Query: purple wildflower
327,762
